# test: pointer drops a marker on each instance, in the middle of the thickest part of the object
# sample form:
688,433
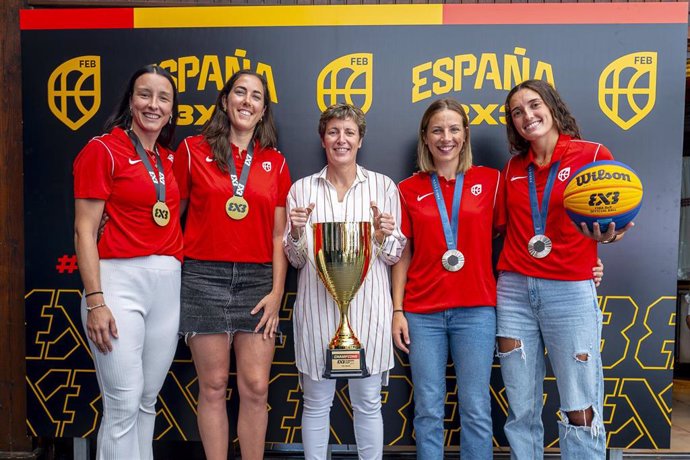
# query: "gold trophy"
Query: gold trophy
342,253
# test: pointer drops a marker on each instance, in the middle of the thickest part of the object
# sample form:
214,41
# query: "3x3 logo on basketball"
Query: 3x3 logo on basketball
603,199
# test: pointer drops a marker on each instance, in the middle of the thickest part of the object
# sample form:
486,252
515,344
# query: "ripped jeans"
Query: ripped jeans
564,317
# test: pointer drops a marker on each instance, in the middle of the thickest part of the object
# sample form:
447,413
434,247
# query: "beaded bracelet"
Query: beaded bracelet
93,293
88,309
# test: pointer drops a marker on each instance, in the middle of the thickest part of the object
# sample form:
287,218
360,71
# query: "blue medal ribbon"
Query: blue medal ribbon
450,228
539,218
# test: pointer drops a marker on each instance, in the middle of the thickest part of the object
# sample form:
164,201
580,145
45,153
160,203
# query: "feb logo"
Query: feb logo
74,90
564,174
346,79
627,88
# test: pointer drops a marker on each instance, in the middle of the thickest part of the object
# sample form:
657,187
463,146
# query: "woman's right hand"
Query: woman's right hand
100,327
298,220
401,335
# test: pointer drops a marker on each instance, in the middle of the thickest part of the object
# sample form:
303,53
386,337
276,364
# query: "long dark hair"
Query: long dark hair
122,116
565,122
217,129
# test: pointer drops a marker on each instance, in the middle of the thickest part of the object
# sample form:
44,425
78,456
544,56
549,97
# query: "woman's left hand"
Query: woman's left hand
596,234
270,319
384,223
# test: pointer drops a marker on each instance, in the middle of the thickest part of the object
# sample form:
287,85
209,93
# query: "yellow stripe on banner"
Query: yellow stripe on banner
271,16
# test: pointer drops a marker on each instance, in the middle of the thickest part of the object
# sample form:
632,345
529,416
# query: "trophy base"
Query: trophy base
345,364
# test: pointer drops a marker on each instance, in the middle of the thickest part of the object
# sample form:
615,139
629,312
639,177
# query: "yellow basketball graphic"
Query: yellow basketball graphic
604,192
627,88
74,90
347,79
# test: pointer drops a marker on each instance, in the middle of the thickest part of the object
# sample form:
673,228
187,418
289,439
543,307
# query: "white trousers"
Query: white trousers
365,395
143,294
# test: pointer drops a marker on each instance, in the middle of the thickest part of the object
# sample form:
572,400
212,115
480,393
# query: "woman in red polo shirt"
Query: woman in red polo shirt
444,291
131,275
546,297
235,183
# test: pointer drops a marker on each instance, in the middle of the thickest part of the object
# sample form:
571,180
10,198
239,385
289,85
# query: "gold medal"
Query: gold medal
161,213
237,207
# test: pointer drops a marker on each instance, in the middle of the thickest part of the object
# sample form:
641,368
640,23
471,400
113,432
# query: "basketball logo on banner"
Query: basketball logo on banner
346,79
627,88
74,90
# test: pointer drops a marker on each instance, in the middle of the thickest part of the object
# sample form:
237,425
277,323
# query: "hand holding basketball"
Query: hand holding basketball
602,198
609,236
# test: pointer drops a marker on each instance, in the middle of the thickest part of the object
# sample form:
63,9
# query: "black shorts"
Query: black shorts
217,297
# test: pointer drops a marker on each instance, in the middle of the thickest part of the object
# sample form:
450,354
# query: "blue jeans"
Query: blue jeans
470,334
563,316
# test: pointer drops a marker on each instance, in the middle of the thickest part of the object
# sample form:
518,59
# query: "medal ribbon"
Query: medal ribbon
239,186
539,218
450,229
158,183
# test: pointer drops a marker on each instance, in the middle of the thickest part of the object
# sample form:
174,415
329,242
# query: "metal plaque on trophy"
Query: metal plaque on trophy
342,255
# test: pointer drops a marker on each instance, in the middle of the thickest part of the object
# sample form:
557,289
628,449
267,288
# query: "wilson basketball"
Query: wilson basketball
604,192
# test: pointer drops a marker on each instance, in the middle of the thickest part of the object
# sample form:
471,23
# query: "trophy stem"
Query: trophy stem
345,338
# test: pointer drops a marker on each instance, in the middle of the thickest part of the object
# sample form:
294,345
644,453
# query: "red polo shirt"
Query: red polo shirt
573,255
430,287
209,233
109,169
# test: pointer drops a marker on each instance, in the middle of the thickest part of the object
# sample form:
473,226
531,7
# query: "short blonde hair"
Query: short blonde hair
425,161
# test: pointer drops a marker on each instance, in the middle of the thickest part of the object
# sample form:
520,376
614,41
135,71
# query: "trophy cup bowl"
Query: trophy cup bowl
342,255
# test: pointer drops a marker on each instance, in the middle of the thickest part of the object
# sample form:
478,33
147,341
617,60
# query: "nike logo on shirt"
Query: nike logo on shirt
421,197
517,177
210,159
133,162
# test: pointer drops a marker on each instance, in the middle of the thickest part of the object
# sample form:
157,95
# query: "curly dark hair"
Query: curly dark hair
565,122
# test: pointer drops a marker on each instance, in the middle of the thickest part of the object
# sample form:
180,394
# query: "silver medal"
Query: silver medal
539,246
453,260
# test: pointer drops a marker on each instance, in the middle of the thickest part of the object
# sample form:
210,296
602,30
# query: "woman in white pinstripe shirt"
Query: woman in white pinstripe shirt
343,191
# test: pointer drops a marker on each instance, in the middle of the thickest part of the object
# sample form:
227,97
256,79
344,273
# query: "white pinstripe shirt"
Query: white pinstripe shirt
316,315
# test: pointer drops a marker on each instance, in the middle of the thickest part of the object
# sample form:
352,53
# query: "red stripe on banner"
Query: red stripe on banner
96,18
567,13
